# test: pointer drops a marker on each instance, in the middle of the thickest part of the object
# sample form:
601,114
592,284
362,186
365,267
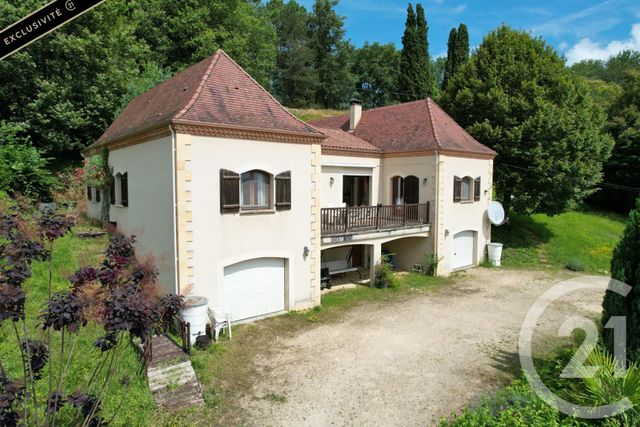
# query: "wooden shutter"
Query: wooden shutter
476,189
411,190
112,190
229,191
124,189
283,191
457,189
88,193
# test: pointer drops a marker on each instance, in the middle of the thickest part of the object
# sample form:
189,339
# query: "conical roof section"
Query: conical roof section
215,91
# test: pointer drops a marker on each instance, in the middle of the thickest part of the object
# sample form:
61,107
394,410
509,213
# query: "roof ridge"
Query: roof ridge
373,109
266,91
433,126
198,91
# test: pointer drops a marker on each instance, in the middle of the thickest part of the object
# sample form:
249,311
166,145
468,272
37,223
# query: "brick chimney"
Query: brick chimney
355,114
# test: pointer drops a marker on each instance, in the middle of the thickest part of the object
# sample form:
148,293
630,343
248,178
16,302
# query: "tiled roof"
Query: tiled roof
339,140
412,126
215,91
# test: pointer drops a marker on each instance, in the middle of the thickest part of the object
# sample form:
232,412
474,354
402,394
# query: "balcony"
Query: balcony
366,219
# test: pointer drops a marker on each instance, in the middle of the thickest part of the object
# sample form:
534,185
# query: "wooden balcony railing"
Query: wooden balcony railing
370,218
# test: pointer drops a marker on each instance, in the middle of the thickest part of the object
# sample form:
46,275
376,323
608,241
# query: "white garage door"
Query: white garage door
254,288
463,249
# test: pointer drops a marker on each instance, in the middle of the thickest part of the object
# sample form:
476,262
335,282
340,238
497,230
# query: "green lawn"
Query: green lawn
128,383
309,114
584,238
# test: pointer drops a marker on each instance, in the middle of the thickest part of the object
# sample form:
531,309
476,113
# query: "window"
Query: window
88,193
255,190
466,189
397,190
112,190
465,194
355,190
124,189
405,190
97,195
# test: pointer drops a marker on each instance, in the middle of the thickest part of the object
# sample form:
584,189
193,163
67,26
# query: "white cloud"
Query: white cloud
588,49
459,9
563,46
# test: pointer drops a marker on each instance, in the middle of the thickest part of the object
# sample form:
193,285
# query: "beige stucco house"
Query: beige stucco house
239,201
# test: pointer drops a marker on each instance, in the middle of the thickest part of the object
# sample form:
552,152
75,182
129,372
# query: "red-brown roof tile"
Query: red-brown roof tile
214,91
412,126
340,140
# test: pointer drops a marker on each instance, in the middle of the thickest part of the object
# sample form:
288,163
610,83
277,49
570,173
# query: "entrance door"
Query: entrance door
355,190
411,190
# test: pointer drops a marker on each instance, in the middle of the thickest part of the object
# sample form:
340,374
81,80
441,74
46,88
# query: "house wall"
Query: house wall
337,167
150,212
93,207
456,217
222,240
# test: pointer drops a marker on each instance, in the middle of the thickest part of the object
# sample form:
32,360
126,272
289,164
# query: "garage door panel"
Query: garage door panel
463,244
254,288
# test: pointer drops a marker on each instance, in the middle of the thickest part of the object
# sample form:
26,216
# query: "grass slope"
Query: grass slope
128,384
539,241
309,114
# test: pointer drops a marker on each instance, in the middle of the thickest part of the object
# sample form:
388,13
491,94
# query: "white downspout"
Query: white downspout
175,208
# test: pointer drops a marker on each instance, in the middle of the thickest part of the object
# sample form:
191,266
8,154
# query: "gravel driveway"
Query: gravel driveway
413,362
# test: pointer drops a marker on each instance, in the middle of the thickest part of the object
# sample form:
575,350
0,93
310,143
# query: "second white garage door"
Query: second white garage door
254,288
463,244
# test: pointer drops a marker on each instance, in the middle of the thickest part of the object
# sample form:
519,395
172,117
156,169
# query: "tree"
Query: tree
625,267
427,82
593,69
182,33
449,65
333,55
516,96
295,80
457,52
612,70
65,88
415,80
623,168
376,70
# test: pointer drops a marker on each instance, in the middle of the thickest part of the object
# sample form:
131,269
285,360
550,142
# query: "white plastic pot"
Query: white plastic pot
495,253
195,313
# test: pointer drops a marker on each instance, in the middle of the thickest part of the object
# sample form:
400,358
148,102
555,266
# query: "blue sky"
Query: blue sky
577,29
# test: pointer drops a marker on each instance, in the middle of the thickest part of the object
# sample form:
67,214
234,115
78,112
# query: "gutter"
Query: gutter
175,208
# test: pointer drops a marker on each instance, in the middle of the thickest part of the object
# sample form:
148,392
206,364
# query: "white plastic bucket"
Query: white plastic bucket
194,312
495,253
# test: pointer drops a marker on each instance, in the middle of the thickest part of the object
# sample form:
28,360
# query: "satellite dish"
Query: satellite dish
495,212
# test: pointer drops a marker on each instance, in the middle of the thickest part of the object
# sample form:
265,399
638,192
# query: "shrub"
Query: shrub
384,273
431,264
625,267
574,265
24,171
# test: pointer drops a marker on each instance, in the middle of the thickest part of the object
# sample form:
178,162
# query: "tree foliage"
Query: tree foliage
623,168
612,70
295,80
516,96
333,55
376,70
625,267
457,52
415,79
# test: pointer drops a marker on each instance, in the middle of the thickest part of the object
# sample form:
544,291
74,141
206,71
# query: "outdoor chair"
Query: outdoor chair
219,322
